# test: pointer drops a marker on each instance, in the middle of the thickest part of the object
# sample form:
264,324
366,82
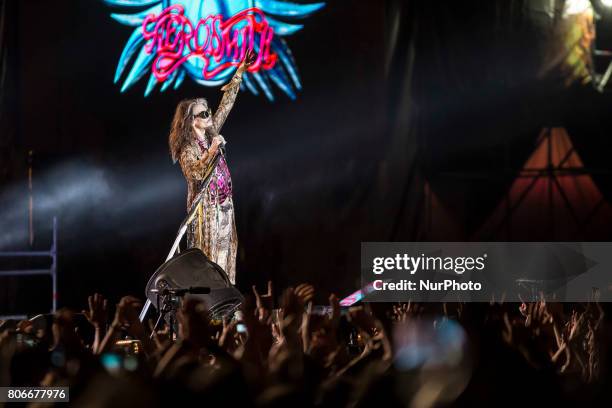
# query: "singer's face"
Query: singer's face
202,118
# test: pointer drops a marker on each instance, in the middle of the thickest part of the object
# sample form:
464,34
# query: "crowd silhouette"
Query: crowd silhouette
283,351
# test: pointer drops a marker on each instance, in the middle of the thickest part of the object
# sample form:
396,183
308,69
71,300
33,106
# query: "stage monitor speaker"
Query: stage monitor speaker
193,269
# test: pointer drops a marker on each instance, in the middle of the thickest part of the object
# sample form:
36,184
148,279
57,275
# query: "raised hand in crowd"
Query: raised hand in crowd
193,323
264,302
286,354
406,311
305,292
126,319
96,315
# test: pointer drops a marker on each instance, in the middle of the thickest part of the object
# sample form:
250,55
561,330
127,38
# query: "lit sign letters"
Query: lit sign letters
207,39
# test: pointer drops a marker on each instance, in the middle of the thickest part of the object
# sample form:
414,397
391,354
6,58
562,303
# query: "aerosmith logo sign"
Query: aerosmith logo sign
205,40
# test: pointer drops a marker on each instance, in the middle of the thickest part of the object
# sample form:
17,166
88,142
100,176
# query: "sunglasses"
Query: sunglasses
205,114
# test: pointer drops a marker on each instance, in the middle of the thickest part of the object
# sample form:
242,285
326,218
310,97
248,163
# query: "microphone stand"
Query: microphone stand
169,304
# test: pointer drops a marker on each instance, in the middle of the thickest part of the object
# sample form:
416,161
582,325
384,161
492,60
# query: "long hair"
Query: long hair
181,130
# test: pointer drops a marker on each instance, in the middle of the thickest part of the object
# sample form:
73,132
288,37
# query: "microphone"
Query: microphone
194,290
222,146
214,133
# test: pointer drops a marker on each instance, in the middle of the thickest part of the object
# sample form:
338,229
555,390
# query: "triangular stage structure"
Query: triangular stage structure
552,198
438,222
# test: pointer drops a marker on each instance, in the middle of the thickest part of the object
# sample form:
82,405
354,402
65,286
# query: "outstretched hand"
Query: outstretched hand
193,323
264,302
249,59
125,313
96,315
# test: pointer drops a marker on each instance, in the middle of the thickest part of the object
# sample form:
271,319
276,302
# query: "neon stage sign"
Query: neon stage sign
206,40
174,39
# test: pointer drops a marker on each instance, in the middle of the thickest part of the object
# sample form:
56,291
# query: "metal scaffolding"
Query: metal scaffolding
52,270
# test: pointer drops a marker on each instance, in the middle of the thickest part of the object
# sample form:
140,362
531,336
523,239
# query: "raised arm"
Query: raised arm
230,90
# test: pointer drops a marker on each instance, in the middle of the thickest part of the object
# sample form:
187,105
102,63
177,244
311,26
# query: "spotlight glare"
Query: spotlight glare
573,7
606,3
